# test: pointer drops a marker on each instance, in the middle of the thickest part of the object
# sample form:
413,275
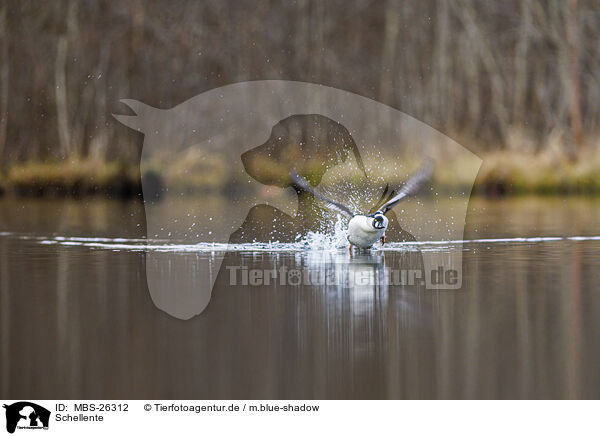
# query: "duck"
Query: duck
364,230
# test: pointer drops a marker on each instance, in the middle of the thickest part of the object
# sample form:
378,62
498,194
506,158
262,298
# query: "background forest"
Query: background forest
515,81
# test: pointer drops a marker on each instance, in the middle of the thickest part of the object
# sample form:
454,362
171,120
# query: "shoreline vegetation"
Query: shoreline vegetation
70,179
502,173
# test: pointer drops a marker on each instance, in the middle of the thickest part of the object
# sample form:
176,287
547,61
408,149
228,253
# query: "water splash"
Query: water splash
326,241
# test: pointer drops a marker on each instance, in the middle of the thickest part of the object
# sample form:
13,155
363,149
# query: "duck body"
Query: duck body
366,230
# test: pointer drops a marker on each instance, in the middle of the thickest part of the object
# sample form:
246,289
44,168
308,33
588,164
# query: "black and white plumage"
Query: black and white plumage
364,230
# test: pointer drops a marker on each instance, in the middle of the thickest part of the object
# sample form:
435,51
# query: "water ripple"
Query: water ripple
311,242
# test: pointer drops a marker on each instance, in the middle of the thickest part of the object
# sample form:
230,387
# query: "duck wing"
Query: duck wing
411,187
303,183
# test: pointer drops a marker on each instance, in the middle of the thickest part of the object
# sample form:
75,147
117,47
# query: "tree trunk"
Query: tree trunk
520,91
575,94
388,58
4,76
60,81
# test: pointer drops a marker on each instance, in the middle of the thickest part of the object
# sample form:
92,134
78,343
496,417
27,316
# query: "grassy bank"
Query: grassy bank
546,173
70,178
501,173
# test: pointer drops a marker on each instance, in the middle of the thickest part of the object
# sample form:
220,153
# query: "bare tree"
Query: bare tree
4,76
470,68
388,57
521,61
575,86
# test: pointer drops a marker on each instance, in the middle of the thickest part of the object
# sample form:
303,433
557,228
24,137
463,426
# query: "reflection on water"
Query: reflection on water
77,320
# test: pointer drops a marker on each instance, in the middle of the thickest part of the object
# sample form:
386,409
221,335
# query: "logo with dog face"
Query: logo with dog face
26,415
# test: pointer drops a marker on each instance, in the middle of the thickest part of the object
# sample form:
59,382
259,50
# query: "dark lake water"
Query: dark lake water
77,319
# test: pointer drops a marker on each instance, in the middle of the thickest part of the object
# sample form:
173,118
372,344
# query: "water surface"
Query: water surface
77,320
